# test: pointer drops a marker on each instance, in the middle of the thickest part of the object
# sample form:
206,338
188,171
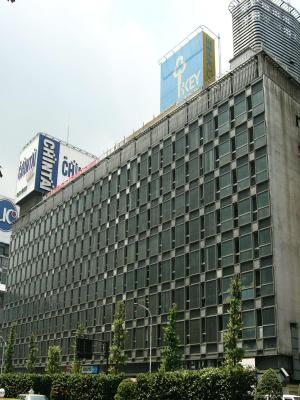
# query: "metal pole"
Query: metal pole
3,349
150,334
107,356
219,51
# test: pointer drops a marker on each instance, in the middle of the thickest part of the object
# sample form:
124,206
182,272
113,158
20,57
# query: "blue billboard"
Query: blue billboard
47,170
8,214
188,69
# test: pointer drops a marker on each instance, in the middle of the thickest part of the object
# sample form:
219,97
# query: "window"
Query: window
240,105
167,152
208,129
180,144
226,216
166,211
264,239
225,185
209,161
179,235
223,116
243,176
180,204
224,148
167,182
210,224
155,160
268,316
179,267
195,262
261,169
194,168
144,166
194,230
180,175
244,210
246,247
194,198
209,192
227,253
263,205
241,140
166,271
154,188
257,94
210,258
259,131
193,137
211,293
166,240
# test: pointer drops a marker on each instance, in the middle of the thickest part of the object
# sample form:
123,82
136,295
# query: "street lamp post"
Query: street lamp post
150,333
4,344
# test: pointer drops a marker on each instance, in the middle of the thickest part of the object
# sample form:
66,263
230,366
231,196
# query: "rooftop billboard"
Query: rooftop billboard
46,163
188,69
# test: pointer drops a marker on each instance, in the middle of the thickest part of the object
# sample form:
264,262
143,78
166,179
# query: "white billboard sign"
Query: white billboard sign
46,163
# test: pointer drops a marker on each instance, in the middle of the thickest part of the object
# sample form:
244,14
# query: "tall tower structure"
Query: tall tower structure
273,25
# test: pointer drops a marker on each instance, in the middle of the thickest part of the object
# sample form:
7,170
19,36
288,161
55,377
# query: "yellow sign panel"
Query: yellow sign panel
209,62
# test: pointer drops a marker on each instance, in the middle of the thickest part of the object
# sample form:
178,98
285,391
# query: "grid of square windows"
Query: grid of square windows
173,224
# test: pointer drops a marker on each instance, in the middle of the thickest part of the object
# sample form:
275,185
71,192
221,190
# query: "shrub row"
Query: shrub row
14,384
207,384
85,387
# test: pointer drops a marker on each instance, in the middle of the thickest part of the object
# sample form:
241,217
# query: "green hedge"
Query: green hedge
207,384
85,387
14,384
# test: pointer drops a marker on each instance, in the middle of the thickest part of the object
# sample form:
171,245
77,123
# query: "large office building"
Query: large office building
273,25
207,190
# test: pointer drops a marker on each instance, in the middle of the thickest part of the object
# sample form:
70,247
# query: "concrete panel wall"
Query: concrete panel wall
284,164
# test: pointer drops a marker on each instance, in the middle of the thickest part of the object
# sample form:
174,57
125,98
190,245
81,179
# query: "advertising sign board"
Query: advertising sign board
186,70
8,215
27,169
46,163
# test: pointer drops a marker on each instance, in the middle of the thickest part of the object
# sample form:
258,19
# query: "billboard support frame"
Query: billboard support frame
188,38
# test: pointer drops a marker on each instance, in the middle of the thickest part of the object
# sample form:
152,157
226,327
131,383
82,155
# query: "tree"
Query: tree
32,354
76,365
171,355
53,363
269,385
117,358
9,352
233,353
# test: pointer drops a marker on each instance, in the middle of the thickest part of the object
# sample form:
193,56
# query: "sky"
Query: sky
90,65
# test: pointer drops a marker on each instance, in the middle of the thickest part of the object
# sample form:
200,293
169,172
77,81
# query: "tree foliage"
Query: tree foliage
117,357
9,352
269,385
171,355
76,364
32,354
233,353
53,362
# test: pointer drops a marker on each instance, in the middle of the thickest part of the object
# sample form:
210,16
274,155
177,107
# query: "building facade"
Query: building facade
206,191
272,25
